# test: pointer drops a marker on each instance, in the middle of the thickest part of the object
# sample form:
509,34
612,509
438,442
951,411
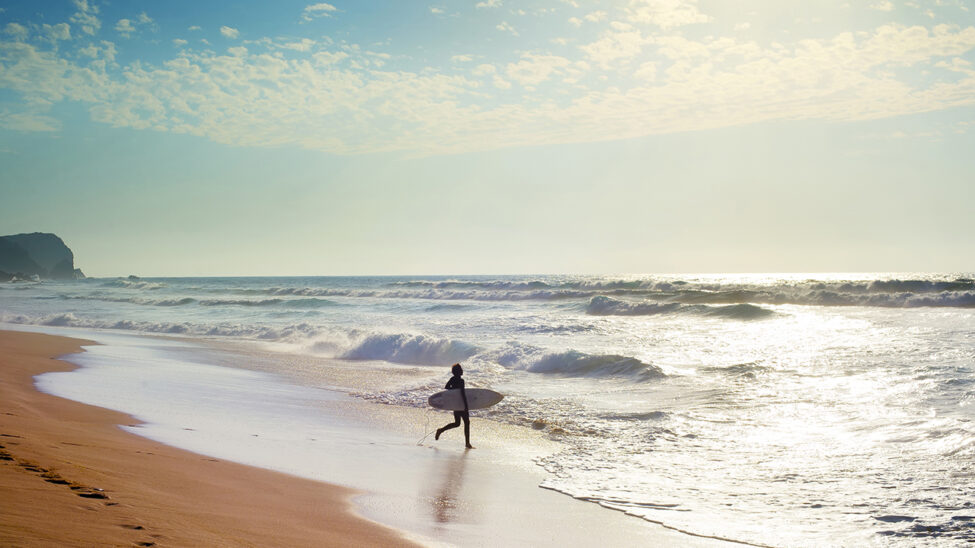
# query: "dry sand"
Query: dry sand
70,477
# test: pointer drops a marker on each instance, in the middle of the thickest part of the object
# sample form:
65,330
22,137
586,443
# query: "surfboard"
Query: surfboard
477,398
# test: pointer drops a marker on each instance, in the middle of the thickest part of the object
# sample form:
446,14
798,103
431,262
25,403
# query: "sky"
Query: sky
187,138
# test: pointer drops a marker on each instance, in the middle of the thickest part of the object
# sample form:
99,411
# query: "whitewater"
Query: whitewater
782,410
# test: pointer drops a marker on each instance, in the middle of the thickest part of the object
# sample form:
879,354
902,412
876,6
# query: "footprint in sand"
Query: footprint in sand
51,476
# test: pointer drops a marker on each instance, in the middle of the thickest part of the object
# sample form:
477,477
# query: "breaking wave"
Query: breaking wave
307,303
133,284
429,293
240,302
410,349
258,332
739,311
572,363
602,305
894,293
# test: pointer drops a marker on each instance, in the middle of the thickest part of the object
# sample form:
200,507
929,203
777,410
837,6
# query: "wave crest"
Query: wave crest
133,284
410,349
602,305
572,363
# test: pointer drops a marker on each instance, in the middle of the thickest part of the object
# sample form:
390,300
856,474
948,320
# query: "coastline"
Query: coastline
373,473
71,476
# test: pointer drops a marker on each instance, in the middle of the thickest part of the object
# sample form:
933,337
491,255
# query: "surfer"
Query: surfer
456,382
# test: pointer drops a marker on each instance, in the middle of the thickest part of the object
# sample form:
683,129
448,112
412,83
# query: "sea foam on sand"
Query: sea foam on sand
436,491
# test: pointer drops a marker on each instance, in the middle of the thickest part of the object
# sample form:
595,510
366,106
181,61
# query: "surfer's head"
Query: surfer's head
457,370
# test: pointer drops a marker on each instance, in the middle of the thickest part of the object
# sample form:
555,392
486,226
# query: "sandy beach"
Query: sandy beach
70,477
76,478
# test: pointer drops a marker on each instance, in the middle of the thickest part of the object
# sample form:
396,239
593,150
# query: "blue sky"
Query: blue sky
186,138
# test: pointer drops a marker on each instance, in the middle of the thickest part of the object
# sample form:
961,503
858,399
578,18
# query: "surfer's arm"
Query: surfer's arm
463,393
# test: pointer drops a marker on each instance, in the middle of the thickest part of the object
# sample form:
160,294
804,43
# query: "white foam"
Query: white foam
440,494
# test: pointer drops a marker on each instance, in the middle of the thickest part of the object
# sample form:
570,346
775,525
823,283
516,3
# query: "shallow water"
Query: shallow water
776,410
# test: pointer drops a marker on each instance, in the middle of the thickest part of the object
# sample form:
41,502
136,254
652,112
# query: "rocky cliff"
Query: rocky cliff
39,254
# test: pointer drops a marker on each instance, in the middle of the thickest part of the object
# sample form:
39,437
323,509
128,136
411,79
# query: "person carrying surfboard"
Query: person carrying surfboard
455,383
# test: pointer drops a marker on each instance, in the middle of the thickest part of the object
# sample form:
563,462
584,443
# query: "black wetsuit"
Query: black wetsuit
454,383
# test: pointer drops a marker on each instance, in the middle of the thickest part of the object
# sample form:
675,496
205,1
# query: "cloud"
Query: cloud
16,31
882,5
229,32
86,18
315,11
326,58
103,53
505,27
488,4
596,16
484,70
437,10
533,69
26,121
621,43
305,44
124,27
60,31
647,72
500,82
666,14
628,80
193,27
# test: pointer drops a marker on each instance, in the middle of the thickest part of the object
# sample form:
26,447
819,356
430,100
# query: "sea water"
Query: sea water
781,410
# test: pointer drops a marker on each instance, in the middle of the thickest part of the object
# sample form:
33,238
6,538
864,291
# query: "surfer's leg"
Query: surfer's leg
467,429
454,424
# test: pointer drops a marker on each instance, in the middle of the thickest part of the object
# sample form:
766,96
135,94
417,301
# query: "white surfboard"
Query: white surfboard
477,398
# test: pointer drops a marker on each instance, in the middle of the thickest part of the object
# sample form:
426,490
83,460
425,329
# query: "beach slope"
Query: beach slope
70,477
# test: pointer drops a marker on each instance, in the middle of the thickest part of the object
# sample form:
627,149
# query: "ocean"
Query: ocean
780,410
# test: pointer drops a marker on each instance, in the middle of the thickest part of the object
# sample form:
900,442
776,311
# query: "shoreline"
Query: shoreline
71,476
373,469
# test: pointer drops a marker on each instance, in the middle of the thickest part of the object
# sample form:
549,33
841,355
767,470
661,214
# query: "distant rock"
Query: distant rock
36,256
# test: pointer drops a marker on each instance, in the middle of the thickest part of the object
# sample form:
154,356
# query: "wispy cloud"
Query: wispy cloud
28,121
666,14
16,31
315,11
596,16
621,75
504,26
124,27
86,17
534,69
229,32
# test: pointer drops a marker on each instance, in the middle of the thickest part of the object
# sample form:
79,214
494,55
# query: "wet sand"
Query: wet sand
69,476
